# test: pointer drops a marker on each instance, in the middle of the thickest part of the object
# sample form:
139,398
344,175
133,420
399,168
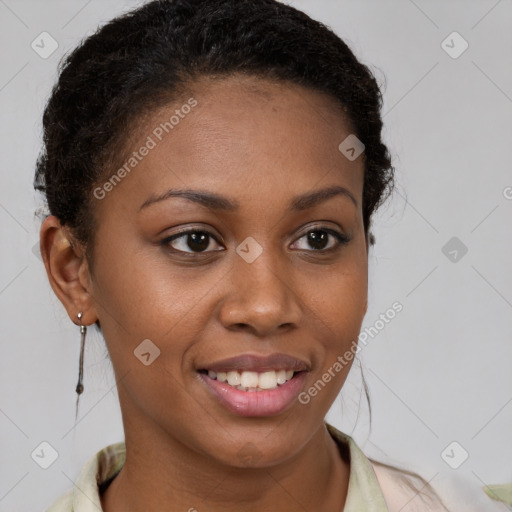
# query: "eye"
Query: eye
318,238
198,241
192,241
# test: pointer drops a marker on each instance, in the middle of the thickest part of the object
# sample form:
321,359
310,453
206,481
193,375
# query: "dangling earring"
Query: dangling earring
80,386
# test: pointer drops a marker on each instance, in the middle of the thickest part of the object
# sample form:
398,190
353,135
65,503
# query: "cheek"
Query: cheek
127,304
144,293
149,318
338,308
339,298
145,297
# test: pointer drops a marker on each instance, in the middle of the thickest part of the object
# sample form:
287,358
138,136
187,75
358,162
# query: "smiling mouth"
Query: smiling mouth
252,381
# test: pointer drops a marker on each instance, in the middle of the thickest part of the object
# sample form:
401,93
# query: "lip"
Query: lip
258,363
256,403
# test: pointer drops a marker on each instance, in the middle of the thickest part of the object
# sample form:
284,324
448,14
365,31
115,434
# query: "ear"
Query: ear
67,270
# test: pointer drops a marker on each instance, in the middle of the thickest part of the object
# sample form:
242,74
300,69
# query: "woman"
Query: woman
211,169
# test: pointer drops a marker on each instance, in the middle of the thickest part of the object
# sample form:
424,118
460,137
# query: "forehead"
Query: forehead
277,115
243,137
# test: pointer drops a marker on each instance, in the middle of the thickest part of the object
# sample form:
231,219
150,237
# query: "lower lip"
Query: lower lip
256,403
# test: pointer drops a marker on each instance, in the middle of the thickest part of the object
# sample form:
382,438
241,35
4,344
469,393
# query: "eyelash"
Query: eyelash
340,238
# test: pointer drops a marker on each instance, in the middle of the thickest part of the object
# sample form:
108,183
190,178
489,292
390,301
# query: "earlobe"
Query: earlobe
67,270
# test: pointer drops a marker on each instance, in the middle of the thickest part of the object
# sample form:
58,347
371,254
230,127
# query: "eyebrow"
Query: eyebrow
218,202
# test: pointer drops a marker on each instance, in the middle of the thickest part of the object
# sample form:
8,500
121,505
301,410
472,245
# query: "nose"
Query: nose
260,298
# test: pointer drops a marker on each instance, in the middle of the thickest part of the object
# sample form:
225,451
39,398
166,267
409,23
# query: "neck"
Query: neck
162,474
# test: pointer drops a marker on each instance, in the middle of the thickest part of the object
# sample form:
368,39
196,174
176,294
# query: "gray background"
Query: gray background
439,372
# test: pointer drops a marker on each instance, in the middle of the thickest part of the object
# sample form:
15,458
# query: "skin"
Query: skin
262,144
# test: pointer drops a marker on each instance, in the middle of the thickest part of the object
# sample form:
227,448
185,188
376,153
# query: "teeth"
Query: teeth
253,381
281,376
233,379
268,380
248,379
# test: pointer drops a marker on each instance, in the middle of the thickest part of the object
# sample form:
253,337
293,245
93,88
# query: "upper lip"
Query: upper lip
258,363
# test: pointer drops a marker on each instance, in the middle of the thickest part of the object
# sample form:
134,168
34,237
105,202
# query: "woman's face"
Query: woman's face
265,276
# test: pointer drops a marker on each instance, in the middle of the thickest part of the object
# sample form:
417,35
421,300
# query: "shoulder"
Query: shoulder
406,491
63,504
98,470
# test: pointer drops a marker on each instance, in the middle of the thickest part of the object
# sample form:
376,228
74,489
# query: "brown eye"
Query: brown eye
194,241
189,242
318,239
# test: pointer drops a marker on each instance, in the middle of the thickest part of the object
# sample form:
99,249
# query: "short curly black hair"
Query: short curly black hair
141,60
